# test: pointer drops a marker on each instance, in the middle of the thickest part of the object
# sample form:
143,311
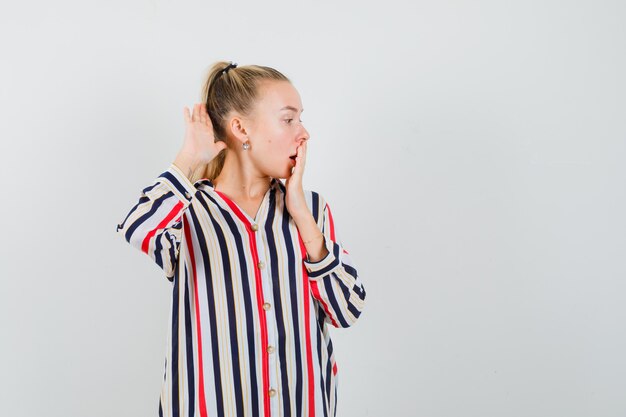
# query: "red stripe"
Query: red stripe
331,224
260,300
332,237
309,354
203,412
145,244
316,293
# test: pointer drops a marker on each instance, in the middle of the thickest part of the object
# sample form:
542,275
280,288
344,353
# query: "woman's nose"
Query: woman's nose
305,134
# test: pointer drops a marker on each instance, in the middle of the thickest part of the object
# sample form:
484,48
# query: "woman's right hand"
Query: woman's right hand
199,146
199,141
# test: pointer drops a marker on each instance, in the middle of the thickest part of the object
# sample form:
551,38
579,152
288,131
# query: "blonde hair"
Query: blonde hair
235,89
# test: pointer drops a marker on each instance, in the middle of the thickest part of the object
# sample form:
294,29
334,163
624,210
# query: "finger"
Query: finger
299,161
302,150
220,144
203,113
194,116
186,114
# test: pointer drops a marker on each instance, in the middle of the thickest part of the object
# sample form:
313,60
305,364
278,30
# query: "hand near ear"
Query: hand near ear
199,138
199,146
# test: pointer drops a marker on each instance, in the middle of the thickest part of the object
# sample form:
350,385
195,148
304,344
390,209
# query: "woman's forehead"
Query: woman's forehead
280,96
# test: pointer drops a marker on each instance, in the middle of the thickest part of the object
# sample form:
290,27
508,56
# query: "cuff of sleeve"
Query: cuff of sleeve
178,183
317,270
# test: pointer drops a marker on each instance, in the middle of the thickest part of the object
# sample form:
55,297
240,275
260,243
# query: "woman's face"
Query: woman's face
275,129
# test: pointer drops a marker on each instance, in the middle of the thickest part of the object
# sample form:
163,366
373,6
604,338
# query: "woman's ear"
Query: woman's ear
238,129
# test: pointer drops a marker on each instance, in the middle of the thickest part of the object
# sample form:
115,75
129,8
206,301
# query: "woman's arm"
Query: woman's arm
154,224
335,283
312,237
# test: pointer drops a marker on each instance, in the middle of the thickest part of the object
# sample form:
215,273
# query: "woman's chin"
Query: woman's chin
286,172
283,173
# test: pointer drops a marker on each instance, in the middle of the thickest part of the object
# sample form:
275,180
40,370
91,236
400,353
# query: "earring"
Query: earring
246,146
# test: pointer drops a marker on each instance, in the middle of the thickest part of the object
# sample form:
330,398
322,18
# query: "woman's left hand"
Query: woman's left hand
294,198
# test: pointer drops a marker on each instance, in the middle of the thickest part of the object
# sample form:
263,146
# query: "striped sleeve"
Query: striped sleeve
154,224
335,283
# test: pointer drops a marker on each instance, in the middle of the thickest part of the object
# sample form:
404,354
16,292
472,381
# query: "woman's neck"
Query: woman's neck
239,180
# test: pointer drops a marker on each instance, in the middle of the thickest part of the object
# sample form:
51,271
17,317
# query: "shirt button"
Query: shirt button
272,392
187,194
254,227
261,264
266,306
270,349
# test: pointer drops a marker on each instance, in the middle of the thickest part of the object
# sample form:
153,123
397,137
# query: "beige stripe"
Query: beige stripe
240,318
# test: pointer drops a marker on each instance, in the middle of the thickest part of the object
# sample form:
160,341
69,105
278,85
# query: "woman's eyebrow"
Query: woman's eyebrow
290,108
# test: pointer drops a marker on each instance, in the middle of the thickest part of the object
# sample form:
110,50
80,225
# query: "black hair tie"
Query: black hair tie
231,65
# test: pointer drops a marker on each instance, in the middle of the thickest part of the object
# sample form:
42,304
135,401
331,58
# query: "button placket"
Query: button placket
270,347
266,283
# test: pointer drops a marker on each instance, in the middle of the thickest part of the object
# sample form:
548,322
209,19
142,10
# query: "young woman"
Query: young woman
257,268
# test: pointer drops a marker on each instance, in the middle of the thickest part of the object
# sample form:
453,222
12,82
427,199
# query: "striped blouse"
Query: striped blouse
248,333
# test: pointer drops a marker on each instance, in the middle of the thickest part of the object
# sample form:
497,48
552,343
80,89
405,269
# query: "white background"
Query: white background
472,152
